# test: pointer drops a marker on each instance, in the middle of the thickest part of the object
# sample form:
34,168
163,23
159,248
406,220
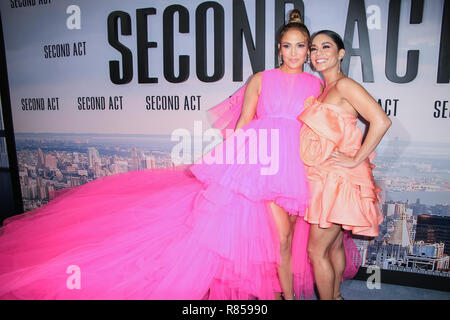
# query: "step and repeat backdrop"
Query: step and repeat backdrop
103,87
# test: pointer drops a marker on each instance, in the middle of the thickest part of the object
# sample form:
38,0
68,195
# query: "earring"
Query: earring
280,60
339,67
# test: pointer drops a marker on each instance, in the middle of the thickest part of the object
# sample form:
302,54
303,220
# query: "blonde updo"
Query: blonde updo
295,22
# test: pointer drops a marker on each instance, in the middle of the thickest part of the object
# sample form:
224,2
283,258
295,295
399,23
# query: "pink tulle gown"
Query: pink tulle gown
198,232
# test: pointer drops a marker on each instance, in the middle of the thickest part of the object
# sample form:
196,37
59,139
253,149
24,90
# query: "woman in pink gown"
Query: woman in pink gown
199,232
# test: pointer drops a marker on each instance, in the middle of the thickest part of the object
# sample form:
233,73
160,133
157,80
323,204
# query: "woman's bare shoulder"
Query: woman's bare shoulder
254,83
347,84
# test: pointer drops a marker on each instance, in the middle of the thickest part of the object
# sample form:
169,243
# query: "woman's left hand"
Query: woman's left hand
340,159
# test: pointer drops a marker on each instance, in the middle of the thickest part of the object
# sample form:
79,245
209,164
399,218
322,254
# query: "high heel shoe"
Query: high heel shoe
284,298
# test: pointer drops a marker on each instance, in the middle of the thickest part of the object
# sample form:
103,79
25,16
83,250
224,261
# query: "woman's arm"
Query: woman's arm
369,109
250,101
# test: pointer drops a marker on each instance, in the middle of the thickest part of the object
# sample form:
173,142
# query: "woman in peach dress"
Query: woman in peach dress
343,193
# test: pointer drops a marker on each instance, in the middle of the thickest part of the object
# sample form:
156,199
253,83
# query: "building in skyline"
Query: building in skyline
40,158
434,229
401,235
418,208
51,162
428,256
150,162
94,157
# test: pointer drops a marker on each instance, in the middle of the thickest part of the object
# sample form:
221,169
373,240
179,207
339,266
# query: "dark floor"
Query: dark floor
358,290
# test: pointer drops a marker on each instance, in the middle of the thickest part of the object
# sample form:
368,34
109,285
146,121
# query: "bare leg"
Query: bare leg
338,260
285,226
320,241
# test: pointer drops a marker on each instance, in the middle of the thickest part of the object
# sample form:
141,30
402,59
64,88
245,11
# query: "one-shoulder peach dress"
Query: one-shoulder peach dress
344,196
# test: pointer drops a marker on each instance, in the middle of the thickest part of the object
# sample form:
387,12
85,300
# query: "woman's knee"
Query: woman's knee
285,242
311,251
316,252
286,234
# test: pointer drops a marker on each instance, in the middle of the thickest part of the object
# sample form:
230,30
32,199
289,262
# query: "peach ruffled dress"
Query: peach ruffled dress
345,196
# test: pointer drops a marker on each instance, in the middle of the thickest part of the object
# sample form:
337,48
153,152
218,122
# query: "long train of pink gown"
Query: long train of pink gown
198,232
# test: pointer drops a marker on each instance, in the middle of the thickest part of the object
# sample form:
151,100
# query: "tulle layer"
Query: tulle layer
271,169
172,238
68,221
225,115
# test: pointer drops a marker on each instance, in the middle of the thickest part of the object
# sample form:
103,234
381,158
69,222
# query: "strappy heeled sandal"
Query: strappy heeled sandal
283,297
339,297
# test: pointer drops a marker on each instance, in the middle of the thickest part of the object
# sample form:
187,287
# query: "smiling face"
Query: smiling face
325,53
294,49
